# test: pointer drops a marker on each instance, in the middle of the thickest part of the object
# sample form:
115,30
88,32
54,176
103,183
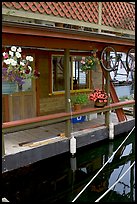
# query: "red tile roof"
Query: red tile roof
114,14
118,15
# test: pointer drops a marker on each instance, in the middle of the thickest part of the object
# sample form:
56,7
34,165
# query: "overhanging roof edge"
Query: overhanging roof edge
61,32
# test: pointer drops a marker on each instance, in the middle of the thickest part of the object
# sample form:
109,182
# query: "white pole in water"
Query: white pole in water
72,139
73,145
111,131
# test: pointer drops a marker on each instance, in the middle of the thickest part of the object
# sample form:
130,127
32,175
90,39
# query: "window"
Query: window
78,79
58,73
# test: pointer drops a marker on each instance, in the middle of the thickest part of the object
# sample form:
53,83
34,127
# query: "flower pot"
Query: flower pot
77,107
8,87
99,105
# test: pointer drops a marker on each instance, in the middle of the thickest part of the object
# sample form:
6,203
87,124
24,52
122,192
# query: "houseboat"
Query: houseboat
58,35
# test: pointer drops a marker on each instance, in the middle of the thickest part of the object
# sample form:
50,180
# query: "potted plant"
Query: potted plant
99,97
90,62
15,69
79,99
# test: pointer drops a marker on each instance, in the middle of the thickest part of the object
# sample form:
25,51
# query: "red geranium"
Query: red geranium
98,95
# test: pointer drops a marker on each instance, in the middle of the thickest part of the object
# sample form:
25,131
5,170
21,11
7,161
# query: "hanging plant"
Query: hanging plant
90,62
17,68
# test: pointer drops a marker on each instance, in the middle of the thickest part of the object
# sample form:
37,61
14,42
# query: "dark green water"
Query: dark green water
61,178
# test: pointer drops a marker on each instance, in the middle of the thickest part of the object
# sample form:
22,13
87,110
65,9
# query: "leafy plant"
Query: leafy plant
79,98
124,98
89,62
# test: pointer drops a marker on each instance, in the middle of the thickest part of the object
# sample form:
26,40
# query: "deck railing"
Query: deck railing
14,126
18,125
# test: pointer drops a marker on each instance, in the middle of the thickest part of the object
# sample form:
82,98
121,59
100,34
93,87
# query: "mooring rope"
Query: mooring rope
102,166
115,182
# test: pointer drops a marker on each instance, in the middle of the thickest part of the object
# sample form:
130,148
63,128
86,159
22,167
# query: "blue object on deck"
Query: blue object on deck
78,119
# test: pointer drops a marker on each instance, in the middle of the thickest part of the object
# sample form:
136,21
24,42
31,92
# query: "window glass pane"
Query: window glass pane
80,79
58,73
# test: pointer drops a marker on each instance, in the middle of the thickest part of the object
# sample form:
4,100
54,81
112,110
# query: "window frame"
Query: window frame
52,92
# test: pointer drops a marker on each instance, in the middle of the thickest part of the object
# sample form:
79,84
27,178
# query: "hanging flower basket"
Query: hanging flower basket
16,68
90,62
9,87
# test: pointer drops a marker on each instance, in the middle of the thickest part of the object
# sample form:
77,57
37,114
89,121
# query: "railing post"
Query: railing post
67,90
107,113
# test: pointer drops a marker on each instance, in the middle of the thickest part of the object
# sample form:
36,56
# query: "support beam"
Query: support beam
67,90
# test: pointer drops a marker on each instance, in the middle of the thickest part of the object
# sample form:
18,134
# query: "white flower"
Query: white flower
13,62
29,58
4,53
22,64
13,48
30,68
19,49
7,61
11,53
18,55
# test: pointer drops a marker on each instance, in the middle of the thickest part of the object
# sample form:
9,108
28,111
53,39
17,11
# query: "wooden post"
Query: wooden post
67,90
107,113
3,145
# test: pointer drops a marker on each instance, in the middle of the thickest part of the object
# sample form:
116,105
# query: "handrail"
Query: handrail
13,126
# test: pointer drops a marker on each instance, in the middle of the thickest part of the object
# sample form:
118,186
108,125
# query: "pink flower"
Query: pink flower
5,55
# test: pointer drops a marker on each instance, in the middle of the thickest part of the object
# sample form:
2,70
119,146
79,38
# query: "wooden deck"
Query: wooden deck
28,146
22,140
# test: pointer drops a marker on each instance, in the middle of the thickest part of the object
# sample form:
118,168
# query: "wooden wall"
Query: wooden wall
48,103
17,106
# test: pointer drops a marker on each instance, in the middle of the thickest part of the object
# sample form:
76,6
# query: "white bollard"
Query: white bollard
73,145
111,131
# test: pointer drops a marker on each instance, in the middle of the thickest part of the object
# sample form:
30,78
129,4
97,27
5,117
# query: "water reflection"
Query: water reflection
62,177
124,190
